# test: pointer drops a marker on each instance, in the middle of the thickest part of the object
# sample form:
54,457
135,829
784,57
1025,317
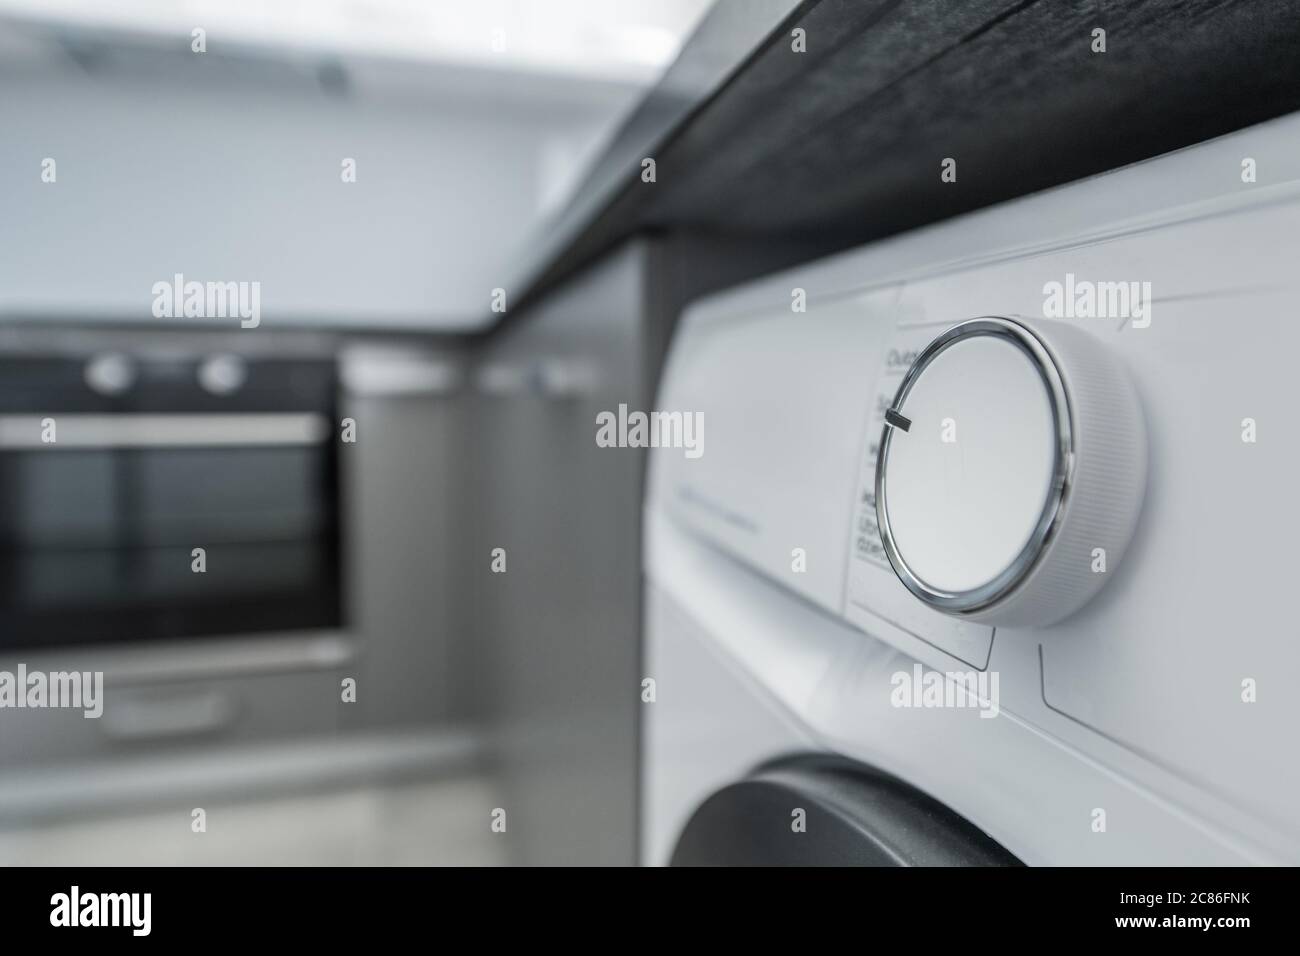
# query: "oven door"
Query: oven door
130,525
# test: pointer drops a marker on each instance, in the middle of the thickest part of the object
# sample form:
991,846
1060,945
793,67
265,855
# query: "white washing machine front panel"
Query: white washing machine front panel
1151,725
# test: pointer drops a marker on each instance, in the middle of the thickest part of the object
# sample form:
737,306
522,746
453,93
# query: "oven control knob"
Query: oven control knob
223,374
110,373
1011,471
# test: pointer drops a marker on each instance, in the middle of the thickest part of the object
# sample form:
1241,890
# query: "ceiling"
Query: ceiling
628,41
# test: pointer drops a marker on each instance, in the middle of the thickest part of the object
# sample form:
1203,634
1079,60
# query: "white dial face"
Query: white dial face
968,480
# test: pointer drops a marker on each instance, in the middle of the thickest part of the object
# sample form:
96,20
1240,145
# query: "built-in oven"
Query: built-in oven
166,493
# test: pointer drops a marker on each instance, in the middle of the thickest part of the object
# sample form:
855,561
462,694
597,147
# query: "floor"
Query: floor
442,822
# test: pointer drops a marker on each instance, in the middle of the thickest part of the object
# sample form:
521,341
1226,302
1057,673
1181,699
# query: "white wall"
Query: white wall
230,171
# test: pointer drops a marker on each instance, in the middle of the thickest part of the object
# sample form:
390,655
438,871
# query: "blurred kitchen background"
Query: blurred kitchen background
462,260
478,132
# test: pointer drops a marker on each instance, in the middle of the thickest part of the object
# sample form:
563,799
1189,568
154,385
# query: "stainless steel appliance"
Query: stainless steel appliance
158,492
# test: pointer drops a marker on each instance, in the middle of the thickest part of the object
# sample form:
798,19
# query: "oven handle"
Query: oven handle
192,714
146,430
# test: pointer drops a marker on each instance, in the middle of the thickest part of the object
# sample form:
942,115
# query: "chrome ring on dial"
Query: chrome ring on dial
1003,584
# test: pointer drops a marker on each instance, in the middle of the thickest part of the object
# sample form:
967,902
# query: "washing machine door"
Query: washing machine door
824,811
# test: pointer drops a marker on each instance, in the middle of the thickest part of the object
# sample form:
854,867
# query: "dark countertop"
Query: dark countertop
820,151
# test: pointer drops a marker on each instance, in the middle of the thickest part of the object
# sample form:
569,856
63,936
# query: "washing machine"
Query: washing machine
986,550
